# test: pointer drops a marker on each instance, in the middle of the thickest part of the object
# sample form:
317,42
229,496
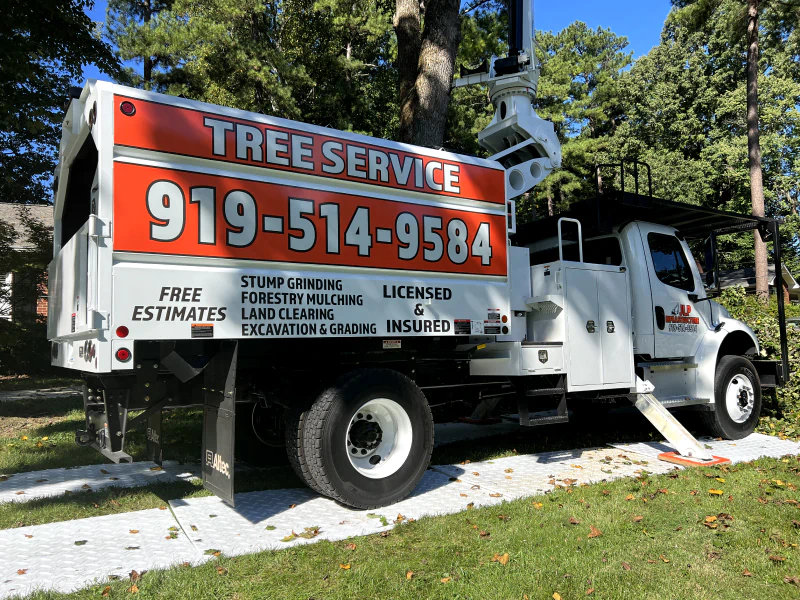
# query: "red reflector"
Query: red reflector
122,331
123,355
127,108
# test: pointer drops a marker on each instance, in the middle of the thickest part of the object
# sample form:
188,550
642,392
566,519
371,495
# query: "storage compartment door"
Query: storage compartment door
614,327
583,332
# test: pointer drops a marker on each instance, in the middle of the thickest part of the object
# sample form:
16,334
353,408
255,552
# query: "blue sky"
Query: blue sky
639,20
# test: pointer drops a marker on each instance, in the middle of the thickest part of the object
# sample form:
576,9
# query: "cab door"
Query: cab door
675,287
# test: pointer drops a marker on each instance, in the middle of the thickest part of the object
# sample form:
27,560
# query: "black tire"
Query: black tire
327,428
295,421
719,422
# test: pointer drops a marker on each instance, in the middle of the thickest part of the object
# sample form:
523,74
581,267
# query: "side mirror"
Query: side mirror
711,263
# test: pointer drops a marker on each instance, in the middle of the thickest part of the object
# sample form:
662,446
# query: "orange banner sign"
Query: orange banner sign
188,132
166,211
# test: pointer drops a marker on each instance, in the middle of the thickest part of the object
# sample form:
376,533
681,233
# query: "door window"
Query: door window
670,262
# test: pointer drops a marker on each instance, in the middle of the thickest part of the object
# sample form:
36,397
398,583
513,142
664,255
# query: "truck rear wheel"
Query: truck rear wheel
295,422
368,438
737,397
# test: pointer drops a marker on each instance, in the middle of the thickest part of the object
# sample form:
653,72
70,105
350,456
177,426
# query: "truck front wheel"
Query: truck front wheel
737,391
368,438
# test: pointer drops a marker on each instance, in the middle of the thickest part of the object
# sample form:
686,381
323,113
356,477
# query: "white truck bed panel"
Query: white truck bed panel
182,302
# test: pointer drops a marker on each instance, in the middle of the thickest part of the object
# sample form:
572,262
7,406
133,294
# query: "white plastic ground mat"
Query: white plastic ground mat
70,555
59,392
23,487
527,475
276,519
756,445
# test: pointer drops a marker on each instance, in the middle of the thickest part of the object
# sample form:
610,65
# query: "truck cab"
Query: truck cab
612,298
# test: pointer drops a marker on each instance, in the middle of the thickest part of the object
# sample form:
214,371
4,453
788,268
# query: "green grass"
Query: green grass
669,552
39,434
12,383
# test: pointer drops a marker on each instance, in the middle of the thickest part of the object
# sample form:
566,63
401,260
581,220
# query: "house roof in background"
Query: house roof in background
747,278
11,213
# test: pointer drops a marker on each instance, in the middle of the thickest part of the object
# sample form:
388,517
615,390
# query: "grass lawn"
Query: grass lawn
40,434
652,537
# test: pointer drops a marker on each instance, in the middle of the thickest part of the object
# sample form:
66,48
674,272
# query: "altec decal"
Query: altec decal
174,212
188,132
215,461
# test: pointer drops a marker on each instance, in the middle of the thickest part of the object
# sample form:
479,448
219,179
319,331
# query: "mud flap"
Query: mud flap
219,399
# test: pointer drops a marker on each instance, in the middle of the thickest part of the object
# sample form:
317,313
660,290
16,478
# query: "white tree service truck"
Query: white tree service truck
335,286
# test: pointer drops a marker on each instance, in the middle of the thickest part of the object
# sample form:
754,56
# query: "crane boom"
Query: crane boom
525,144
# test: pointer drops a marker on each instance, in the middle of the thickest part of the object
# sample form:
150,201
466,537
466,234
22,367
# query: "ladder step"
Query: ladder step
676,401
666,423
666,365
545,417
556,391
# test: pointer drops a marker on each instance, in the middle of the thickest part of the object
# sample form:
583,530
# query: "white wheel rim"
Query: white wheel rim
739,398
378,439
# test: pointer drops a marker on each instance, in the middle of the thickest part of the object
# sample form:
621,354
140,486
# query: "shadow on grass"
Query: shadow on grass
624,425
37,408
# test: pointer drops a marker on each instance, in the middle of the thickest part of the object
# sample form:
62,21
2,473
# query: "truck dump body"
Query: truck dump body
226,224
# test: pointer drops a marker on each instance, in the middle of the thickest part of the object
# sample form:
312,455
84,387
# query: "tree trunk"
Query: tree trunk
407,29
426,63
148,61
754,149
792,203
549,204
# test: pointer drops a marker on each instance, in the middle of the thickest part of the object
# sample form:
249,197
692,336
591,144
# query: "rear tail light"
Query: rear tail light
127,108
123,355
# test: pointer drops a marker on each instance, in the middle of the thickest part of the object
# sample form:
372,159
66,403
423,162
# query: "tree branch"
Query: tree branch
475,4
